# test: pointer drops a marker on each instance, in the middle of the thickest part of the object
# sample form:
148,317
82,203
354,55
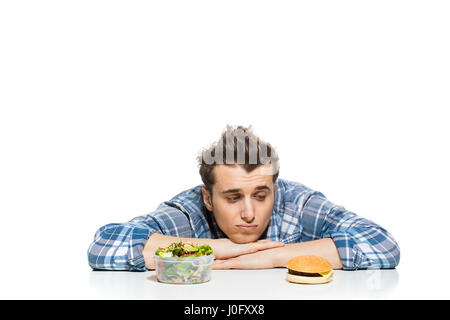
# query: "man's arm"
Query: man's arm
131,245
345,239
278,257
119,246
222,248
361,243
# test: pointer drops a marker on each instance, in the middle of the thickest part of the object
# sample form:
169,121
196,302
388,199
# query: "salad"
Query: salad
184,263
181,249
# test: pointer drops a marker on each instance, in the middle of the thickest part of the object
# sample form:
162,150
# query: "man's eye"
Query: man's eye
233,198
260,197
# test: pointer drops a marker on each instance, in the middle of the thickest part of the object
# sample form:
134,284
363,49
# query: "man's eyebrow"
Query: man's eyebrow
264,187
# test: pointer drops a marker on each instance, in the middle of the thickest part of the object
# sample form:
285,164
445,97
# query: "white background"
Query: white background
104,106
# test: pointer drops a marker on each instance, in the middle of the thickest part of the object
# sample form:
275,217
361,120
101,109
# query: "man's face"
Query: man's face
242,202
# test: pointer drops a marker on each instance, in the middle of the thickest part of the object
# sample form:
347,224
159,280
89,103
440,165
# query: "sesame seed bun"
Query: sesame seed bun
309,264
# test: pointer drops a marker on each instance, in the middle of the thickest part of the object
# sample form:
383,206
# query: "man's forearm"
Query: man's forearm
223,248
278,257
323,247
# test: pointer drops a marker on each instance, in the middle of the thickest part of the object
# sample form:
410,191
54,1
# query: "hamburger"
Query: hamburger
309,270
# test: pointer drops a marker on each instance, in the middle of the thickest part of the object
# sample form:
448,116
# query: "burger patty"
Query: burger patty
303,274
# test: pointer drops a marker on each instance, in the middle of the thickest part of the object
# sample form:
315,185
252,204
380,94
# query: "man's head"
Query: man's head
239,174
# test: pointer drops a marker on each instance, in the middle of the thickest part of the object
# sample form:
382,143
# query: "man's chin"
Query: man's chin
243,238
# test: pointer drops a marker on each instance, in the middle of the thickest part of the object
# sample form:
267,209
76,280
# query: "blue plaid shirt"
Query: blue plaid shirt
299,214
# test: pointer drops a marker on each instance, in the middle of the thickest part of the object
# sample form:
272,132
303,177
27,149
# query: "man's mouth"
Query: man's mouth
247,227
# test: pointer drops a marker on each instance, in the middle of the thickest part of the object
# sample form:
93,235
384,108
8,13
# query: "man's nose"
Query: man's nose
248,212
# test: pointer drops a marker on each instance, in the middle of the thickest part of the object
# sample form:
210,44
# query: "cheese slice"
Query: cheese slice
327,274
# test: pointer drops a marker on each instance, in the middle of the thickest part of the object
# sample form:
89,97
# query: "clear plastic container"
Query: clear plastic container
184,270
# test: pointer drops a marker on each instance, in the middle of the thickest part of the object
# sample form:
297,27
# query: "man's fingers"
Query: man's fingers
224,264
267,244
268,241
262,245
218,264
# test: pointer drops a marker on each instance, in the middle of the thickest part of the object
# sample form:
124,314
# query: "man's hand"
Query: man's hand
265,259
223,248
279,256
226,249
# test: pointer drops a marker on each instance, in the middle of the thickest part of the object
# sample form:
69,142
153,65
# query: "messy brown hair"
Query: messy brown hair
244,149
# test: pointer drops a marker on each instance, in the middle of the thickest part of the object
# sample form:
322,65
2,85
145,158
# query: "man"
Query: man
251,218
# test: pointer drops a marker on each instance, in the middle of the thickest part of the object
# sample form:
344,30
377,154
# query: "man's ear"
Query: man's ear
275,187
207,199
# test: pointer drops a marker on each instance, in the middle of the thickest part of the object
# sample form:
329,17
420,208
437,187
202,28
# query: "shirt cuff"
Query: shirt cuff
137,242
351,256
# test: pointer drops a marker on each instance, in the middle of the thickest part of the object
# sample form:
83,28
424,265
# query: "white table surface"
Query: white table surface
270,284
63,273
245,284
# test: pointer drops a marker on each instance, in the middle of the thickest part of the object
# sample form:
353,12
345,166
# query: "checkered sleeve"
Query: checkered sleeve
118,246
361,243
